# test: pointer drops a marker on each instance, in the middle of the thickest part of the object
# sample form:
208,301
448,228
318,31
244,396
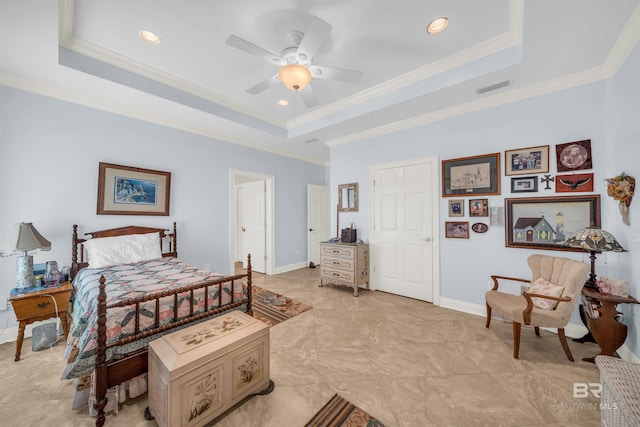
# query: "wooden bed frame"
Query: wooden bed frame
111,373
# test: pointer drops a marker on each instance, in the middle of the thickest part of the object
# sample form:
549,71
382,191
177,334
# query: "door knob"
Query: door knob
244,229
311,229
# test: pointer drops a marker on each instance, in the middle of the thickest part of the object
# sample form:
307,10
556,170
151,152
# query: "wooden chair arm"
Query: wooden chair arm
496,278
526,314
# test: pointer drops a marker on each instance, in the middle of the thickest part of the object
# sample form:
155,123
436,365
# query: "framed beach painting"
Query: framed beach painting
546,222
128,190
473,176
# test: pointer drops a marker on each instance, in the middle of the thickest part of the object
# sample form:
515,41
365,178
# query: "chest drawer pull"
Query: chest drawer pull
44,304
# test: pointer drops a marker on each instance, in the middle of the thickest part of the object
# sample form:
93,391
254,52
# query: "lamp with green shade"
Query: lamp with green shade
594,240
23,240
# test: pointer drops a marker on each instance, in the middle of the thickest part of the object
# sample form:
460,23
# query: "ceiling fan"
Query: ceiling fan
296,62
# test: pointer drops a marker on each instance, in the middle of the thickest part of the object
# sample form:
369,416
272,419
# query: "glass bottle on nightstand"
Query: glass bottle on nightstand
51,274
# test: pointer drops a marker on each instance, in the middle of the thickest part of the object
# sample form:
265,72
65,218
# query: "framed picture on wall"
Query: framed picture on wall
524,184
581,182
456,207
127,190
473,176
525,161
546,222
478,207
456,229
573,156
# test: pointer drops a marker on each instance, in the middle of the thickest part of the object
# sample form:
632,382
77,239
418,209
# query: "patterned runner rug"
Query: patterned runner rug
340,412
273,308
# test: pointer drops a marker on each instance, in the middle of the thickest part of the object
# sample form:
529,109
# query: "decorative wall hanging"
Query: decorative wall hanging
621,188
456,230
456,207
348,197
526,160
574,156
548,179
582,182
126,190
479,207
524,184
546,222
477,176
480,227
495,215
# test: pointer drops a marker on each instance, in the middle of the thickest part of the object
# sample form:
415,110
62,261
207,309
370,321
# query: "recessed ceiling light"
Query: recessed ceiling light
437,25
149,36
283,102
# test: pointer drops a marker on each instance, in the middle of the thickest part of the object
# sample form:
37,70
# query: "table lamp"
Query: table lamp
24,239
594,240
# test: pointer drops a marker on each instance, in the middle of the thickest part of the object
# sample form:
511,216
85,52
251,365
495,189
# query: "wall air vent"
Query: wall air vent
493,87
309,141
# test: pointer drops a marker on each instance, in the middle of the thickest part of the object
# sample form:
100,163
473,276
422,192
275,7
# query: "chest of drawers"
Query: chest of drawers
344,264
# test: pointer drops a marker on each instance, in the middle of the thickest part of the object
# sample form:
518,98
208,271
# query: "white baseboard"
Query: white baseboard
290,267
572,330
11,334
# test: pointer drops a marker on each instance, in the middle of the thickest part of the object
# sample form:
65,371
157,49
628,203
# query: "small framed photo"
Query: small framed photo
456,207
479,207
526,160
574,156
456,230
524,184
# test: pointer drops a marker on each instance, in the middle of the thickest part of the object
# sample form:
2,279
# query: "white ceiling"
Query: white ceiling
88,51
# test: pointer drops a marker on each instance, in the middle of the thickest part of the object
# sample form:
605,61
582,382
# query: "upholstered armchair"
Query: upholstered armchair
555,288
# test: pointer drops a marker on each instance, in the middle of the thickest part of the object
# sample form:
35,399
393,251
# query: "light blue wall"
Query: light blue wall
49,155
623,135
574,114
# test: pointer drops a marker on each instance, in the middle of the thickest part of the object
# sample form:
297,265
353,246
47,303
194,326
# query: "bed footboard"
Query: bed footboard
109,374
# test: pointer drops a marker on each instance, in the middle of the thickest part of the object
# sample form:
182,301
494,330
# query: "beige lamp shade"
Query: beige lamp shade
23,238
294,76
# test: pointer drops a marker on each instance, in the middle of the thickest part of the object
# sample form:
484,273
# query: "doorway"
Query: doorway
405,237
251,220
318,221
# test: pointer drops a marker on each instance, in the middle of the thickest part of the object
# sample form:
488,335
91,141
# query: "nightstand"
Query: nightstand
32,306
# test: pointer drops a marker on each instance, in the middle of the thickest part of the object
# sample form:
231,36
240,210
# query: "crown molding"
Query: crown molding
123,110
68,40
629,38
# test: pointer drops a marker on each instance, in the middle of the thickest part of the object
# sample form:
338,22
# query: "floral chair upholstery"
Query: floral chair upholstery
568,274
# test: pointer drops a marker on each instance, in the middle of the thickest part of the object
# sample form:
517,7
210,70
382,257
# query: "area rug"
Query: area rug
340,412
273,308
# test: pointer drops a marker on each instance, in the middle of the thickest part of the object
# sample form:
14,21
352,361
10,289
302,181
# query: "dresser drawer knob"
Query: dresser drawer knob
44,304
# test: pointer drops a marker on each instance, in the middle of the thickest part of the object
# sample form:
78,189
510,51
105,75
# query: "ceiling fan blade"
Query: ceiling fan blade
253,49
262,86
331,73
313,38
309,96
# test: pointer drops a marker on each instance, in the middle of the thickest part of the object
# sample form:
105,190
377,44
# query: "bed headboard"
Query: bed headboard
77,247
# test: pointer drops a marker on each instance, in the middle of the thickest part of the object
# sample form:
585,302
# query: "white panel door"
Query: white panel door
404,230
318,221
254,225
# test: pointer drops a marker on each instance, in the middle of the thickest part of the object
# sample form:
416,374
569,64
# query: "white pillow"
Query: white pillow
544,287
107,251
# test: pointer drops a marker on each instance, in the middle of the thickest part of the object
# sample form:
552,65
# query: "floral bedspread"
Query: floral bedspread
125,282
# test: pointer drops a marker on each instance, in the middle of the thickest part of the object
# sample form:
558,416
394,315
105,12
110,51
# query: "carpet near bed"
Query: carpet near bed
273,308
339,412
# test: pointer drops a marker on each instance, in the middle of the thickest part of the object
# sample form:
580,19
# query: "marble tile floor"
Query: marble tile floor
406,362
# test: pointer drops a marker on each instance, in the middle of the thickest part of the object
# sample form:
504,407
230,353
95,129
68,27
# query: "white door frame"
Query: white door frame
269,216
435,179
325,233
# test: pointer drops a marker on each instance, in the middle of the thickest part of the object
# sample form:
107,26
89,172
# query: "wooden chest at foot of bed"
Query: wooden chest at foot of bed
197,373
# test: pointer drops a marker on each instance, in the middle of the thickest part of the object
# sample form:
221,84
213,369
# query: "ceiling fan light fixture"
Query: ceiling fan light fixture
437,25
149,36
294,76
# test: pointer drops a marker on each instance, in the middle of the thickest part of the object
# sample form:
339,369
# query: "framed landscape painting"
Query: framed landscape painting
473,176
127,190
546,222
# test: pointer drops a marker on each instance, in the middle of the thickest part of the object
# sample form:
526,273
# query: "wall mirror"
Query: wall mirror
348,197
